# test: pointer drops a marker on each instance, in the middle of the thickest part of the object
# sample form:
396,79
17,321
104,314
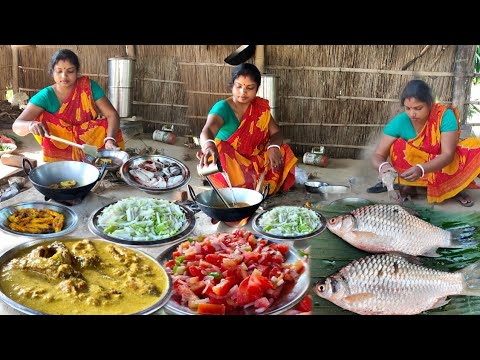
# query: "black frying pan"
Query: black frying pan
242,54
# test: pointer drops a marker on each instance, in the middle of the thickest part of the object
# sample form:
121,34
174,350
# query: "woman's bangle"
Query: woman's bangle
273,145
421,168
109,138
209,140
383,163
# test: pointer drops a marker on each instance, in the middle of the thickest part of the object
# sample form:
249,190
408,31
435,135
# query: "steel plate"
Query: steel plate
135,160
183,232
70,222
14,252
256,227
289,298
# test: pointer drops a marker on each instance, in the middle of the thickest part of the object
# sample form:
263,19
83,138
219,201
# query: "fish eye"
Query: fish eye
332,221
321,288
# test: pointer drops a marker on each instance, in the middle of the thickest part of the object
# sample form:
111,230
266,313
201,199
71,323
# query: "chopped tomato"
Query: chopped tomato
305,304
211,309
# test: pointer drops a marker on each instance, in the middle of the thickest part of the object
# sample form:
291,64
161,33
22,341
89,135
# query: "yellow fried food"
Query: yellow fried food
67,184
34,221
101,161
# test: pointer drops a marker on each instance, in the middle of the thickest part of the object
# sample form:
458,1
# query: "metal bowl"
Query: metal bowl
27,246
117,157
286,301
314,186
333,191
186,229
136,160
70,222
352,201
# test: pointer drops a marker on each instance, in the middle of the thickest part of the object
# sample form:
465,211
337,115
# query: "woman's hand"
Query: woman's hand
412,174
209,151
276,158
37,128
111,145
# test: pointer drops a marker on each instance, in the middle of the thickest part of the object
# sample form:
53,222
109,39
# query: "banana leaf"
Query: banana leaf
329,253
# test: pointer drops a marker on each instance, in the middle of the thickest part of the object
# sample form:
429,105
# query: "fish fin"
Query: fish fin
431,253
462,236
358,297
471,277
440,302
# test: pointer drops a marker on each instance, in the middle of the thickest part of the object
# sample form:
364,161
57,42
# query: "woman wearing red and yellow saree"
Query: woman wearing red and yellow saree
243,135
70,109
424,148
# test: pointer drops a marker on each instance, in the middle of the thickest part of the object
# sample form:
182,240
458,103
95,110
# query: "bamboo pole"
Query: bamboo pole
463,63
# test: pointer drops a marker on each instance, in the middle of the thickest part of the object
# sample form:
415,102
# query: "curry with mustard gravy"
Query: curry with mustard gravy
83,277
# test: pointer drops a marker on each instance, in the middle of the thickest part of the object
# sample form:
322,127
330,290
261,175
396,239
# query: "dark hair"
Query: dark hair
246,69
419,90
63,54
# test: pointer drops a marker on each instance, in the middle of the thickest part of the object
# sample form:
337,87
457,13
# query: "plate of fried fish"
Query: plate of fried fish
40,220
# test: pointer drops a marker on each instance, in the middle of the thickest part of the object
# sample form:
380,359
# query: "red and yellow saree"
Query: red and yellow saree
244,154
76,120
453,178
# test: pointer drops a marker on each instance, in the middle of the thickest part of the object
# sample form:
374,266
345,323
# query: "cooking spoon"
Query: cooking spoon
87,149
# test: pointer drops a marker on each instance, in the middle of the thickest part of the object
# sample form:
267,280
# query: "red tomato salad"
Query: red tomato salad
225,273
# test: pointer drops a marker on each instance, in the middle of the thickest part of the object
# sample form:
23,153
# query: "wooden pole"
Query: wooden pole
461,86
15,69
260,58
131,51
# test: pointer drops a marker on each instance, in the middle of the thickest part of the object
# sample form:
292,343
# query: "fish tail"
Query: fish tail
471,277
462,236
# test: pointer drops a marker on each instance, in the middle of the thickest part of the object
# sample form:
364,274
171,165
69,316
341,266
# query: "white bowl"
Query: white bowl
7,148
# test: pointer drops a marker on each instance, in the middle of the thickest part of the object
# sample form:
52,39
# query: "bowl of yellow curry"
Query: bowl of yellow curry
82,277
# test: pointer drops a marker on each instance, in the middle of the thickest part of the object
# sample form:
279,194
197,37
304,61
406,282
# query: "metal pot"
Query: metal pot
210,203
43,176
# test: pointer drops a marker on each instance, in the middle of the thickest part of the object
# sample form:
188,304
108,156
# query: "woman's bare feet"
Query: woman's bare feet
464,199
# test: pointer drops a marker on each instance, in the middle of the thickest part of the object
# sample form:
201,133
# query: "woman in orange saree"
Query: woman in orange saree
242,134
70,109
425,150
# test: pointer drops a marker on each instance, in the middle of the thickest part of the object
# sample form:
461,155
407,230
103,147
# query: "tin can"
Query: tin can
210,169
164,136
315,159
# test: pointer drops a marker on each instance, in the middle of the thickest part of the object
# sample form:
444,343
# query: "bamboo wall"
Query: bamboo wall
339,96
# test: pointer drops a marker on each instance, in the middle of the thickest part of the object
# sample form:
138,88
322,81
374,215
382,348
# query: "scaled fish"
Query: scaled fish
387,284
391,228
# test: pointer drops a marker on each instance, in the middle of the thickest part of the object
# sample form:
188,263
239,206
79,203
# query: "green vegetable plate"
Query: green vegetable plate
289,223
142,221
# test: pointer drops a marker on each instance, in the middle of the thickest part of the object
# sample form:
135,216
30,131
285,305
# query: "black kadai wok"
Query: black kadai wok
210,203
43,176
